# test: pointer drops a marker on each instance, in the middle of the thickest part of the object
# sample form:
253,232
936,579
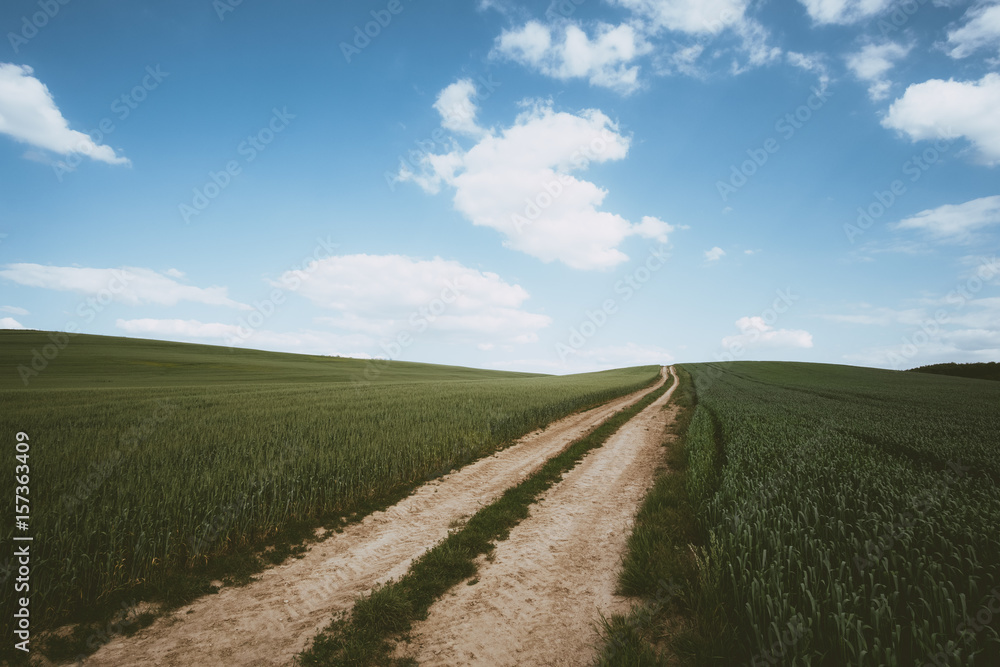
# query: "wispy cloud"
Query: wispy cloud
756,333
29,114
128,285
955,222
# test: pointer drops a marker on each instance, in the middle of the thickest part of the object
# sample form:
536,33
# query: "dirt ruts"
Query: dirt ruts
272,619
538,601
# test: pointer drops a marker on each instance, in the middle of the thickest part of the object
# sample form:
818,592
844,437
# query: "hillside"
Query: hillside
50,359
980,371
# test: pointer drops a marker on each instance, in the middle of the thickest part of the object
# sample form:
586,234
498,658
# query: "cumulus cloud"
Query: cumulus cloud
708,17
29,114
567,52
458,109
715,254
675,32
13,310
872,63
10,323
237,334
129,285
519,181
955,222
756,333
380,295
937,109
980,30
843,11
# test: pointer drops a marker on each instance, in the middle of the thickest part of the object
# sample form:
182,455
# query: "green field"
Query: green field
851,515
152,462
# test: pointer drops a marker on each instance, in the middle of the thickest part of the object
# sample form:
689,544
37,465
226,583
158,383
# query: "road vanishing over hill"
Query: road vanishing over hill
275,617
539,599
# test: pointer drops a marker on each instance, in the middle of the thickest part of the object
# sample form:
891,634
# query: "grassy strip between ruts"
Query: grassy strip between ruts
364,637
661,564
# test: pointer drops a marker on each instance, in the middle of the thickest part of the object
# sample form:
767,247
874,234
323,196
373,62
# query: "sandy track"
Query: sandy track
274,618
538,602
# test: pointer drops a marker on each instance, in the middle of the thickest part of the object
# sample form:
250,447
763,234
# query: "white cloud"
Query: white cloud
129,285
381,295
843,11
302,342
562,48
179,328
458,109
10,323
570,54
519,182
754,45
715,254
30,115
14,310
811,63
937,109
871,64
955,222
980,30
698,17
684,61
878,316
589,359
948,328
756,333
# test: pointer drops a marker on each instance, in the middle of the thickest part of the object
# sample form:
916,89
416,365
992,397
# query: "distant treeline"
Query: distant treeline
982,371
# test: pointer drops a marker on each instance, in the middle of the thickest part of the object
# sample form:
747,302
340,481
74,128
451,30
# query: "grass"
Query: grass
157,468
848,515
659,568
366,635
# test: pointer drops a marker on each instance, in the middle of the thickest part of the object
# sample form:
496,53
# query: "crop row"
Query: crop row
133,486
853,514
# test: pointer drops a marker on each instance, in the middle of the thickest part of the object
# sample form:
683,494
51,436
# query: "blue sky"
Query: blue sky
551,187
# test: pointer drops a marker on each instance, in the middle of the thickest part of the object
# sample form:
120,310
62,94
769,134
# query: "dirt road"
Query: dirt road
538,602
269,621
